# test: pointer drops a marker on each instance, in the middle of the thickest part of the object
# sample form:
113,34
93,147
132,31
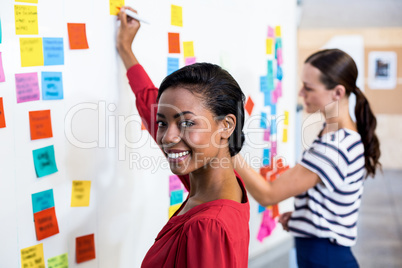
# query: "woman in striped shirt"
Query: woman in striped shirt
328,182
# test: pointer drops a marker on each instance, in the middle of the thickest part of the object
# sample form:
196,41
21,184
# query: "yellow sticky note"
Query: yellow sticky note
270,43
176,18
60,261
286,121
26,19
33,257
27,1
173,209
113,6
80,193
285,135
277,31
188,49
31,52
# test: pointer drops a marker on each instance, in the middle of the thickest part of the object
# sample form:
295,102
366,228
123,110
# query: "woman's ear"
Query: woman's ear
339,92
228,125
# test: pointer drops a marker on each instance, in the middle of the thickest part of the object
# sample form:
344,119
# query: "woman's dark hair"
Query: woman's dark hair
220,91
338,68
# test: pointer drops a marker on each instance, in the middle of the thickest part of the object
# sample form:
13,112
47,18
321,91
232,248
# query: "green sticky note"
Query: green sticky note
44,161
60,261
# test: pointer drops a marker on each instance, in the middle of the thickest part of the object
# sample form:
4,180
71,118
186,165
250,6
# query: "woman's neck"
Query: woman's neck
338,117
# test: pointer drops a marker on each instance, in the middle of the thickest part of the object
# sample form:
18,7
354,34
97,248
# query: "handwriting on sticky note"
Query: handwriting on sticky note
176,197
113,6
31,52
26,19
40,124
80,194
52,86
60,261
2,76
269,46
176,16
32,257
188,49
174,42
190,60
173,209
85,248
2,116
53,51
172,65
42,200
27,87
46,223
77,36
44,161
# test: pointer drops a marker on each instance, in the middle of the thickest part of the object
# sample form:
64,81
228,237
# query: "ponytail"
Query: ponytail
366,125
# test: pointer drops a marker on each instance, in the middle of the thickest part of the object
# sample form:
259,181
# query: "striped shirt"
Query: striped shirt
330,209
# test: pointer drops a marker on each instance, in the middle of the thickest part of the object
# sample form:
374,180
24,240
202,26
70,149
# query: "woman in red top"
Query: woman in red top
198,126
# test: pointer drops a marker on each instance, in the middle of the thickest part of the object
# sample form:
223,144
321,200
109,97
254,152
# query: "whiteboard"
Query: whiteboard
97,133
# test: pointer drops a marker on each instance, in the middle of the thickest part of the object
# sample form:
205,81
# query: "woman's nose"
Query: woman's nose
171,136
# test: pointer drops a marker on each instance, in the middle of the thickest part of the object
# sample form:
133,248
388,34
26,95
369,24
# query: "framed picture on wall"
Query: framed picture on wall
382,69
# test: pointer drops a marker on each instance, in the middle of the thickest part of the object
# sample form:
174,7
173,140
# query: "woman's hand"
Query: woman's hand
284,219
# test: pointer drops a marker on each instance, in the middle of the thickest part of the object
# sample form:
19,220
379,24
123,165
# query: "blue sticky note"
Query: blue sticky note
261,208
0,32
279,73
263,83
44,161
270,68
53,51
172,65
52,86
273,109
264,120
176,197
265,157
42,200
271,84
278,43
267,98
273,126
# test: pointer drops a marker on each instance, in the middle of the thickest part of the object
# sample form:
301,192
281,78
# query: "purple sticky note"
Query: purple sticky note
267,134
27,87
2,77
279,56
271,32
190,60
174,183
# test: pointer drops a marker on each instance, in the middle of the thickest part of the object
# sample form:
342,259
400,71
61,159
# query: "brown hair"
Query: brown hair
338,68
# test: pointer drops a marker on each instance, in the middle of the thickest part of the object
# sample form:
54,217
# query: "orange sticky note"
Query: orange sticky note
40,124
174,42
46,223
85,248
249,105
2,117
77,36
143,127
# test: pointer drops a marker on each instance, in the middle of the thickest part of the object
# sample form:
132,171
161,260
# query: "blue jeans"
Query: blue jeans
320,253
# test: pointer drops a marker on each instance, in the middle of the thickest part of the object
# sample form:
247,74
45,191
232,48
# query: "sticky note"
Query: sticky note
176,18
77,36
273,109
174,42
173,209
46,223
286,120
113,6
33,257
273,126
42,200
189,61
249,105
0,32
80,193
279,57
27,1
269,46
267,226
264,120
263,83
274,97
27,87
278,43
267,134
143,127
172,65
265,157
44,161
274,148
278,31
31,52
85,248
26,19
270,68
40,124
285,135
188,49
2,76
271,32
53,51
261,208
267,98
60,261
279,73
176,197
52,86
2,116
174,183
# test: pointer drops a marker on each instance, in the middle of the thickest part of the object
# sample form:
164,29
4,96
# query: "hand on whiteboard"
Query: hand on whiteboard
284,219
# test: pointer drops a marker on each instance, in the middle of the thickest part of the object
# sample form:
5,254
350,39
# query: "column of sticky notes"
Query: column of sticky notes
176,193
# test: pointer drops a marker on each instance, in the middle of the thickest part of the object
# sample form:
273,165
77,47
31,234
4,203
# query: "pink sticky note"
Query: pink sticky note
278,89
27,87
273,148
174,183
190,60
274,97
267,225
2,77
279,56
271,32
267,134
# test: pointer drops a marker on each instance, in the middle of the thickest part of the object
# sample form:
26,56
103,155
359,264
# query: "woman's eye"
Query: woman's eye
186,124
160,123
